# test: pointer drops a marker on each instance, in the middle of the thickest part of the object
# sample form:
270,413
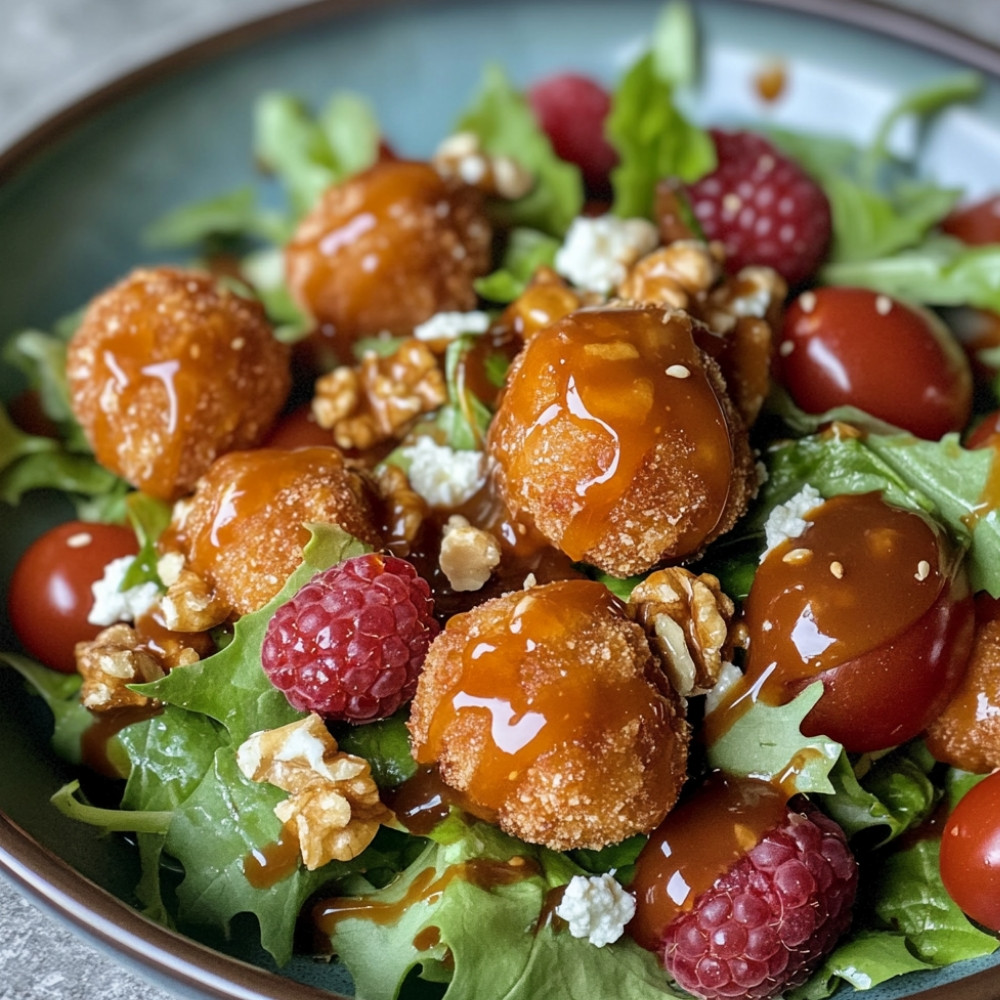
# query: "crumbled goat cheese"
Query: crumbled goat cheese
596,908
728,676
788,519
449,325
442,476
598,252
111,604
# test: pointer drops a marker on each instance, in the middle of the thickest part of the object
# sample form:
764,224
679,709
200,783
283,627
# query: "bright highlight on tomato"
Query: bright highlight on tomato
970,853
855,347
50,596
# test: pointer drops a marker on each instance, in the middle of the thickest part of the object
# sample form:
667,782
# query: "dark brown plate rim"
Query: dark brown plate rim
171,959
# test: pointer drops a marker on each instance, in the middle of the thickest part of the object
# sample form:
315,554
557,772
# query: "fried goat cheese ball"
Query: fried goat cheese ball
170,369
546,709
243,530
387,249
616,438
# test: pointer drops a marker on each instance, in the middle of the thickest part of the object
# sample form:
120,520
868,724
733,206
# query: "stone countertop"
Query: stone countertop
50,52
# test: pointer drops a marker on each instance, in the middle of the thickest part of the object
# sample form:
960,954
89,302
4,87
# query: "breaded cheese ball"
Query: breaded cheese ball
616,437
546,709
170,369
387,249
243,530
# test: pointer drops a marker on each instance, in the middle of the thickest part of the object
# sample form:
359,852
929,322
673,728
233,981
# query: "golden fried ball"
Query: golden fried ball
967,733
546,709
387,249
615,436
243,529
170,369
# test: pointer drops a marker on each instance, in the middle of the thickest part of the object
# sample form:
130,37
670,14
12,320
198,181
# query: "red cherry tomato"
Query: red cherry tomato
970,853
977,223
50,596
571,110
986,434
854,347
869,601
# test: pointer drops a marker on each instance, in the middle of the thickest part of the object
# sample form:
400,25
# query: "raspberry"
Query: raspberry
763,208
571,110
351,643
771,918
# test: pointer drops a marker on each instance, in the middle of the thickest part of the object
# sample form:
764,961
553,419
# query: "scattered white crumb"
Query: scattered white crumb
788,519
598,252
111,604
596,908
444,477
449,325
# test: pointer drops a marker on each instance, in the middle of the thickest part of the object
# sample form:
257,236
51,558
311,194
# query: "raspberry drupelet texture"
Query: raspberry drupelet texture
351,643
763,207
767,922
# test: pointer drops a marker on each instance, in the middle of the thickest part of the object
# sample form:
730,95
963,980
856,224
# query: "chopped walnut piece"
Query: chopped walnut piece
333,805
468,554
675,275
381,397
109,663
403,509
687,618
190,604
461,155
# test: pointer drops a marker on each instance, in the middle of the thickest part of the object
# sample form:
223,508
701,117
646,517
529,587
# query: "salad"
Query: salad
567,566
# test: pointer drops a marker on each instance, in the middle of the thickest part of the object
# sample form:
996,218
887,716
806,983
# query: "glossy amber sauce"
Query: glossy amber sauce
427,887
266,866
166,645
94,742
771,81
514,678
862,573
423,801
619,380
697,842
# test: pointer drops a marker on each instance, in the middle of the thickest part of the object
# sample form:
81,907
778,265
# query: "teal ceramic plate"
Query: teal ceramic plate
75,196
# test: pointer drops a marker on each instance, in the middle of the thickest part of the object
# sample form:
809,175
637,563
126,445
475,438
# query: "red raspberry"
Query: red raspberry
571,110
350,644
771,918
763,207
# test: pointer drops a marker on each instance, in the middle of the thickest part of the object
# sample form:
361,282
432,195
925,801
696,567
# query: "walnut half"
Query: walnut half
109,664
687,620
333,805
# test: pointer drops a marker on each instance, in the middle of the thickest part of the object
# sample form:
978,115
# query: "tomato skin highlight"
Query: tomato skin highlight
976,224
970,853
845,346
50,597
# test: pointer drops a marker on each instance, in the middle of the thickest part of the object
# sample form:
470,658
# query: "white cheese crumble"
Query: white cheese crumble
596,908
728,676
443,476
449,325
788,519
111,604
598,252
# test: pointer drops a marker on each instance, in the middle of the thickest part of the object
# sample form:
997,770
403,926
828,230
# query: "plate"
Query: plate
76,194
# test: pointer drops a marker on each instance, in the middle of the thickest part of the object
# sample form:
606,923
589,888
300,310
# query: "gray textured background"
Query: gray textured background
50,52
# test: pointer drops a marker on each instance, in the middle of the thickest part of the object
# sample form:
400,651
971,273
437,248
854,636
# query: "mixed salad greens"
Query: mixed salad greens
195,817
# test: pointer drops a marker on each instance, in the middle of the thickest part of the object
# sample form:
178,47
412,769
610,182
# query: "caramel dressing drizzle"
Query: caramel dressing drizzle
268,865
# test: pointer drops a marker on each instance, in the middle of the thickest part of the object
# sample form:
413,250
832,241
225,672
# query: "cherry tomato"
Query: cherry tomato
855,347
970,853
976,224
870,601
571,110
50,596
986,434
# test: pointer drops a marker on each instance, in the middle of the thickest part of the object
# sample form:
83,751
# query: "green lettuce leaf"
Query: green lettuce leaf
235,215
231,686
385,745
506,126
766,742
525,252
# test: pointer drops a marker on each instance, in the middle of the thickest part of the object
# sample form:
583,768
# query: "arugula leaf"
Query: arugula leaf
895,794
506,126
60,692
653,140
231,686
111,820
526,251
908,896
766,742
149,517
465,418
385,745
674,45
310,153
234,215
